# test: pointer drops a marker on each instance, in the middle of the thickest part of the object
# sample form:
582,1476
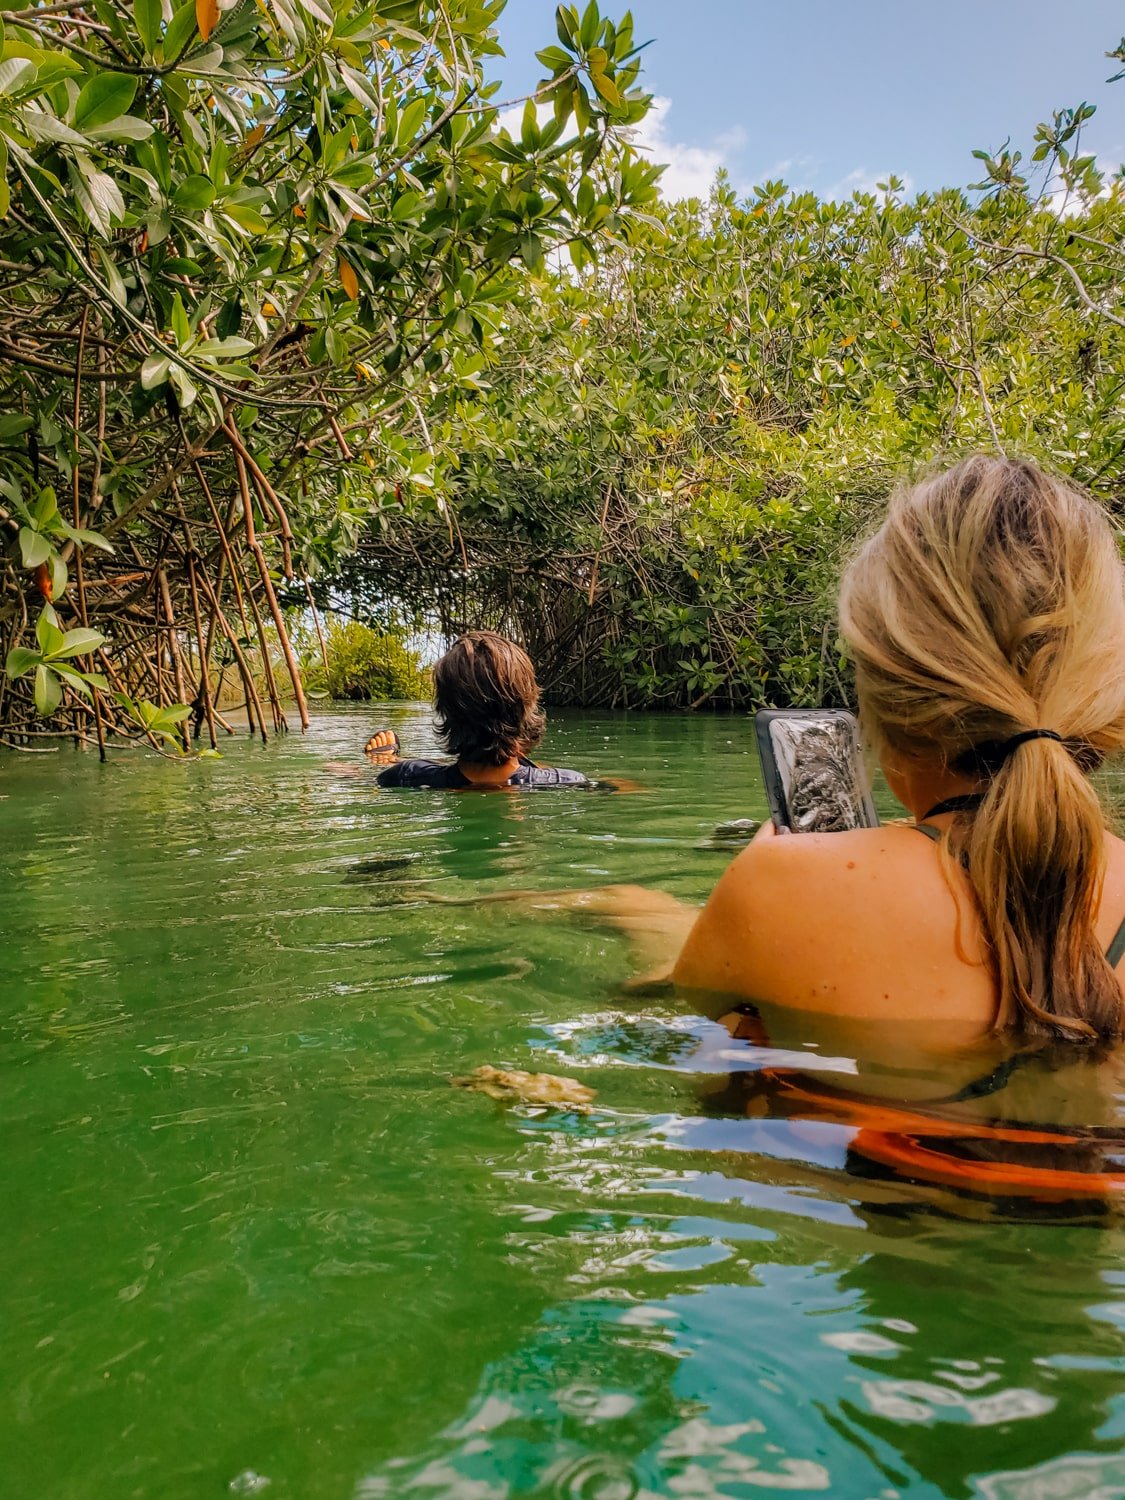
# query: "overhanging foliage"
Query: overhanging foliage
244,248
674,447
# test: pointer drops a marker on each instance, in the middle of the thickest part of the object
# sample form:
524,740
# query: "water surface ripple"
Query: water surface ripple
255,1244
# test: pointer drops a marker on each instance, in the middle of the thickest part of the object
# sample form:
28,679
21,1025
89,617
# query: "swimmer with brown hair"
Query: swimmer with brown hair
488,716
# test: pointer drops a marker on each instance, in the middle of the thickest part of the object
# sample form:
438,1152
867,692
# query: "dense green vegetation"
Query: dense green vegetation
285,315
674,446
348,660
246,250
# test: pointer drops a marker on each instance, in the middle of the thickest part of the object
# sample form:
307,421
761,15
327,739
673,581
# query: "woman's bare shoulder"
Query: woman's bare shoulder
825,856
790,912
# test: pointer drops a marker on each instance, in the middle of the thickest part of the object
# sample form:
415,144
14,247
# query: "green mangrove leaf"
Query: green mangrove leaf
47,633
194,194
102,98
98,195
148,15
34,547
46,507
113,278
48,691
16,75
186,388
74,680
20,661
59,575
86,538
180,31
175,713
41,125
154,371
123,128
13,424
77,643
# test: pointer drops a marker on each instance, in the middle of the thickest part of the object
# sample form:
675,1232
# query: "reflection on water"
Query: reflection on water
257,1244
710,1358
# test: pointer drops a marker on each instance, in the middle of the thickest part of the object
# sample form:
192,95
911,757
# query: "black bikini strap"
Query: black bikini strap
969,802
991,1083
1116,950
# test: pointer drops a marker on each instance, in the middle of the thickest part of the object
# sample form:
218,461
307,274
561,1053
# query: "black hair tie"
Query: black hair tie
987,757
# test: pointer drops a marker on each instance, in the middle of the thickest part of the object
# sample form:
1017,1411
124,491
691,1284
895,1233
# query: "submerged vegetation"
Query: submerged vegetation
290,317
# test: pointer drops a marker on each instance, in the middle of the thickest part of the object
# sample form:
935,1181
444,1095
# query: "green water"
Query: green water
254,1243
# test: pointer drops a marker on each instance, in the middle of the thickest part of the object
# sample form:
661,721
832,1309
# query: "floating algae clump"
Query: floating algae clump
514,1086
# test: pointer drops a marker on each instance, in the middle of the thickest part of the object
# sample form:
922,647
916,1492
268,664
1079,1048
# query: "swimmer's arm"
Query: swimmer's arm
655,923
343,768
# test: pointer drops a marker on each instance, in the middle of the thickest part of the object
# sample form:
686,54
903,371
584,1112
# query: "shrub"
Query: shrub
364,664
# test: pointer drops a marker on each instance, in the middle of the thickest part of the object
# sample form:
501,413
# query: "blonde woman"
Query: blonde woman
931,989
986,620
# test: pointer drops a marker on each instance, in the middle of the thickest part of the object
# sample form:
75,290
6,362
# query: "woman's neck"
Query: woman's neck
920,786
479,775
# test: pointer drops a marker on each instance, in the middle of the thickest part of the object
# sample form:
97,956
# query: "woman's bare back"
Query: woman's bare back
874,925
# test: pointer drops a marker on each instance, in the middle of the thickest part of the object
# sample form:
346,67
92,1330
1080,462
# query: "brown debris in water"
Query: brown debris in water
512,1085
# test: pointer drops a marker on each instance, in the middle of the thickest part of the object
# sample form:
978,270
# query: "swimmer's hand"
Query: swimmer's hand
382,748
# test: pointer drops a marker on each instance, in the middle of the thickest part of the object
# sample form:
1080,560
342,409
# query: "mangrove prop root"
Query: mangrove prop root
188,600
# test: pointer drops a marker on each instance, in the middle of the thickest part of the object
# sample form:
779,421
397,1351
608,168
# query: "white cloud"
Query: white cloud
863,181
733,139
797,172
690,169
1059,200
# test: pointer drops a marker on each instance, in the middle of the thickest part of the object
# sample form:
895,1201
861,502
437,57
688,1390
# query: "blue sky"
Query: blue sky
833,94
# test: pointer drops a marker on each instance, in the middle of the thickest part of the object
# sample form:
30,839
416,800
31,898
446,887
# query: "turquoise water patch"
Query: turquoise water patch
255,1244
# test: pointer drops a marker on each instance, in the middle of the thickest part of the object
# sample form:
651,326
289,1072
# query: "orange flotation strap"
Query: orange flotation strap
922,1162
909,1143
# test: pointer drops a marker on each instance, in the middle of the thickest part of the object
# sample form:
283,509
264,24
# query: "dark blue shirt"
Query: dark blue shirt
440,775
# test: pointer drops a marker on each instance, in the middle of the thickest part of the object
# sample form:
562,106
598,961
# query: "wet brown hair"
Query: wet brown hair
487,699
991,602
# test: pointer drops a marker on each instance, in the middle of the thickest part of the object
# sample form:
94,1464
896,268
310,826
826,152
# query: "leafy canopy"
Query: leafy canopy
244,249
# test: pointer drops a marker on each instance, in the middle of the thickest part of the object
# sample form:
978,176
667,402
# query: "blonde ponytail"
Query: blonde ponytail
1035,853
991,603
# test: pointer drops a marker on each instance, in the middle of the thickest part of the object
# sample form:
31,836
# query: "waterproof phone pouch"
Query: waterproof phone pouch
812,764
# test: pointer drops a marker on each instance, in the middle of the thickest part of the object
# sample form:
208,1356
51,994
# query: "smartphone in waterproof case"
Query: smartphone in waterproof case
812,763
